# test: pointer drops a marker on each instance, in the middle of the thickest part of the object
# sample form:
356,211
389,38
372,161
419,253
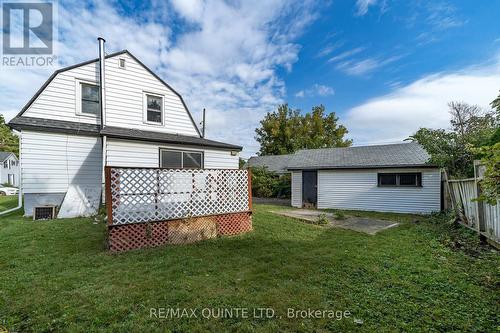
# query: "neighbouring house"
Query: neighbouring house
387,178
69,132
275,163
9,169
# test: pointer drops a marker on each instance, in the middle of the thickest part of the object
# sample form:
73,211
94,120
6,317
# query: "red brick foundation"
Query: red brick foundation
142,235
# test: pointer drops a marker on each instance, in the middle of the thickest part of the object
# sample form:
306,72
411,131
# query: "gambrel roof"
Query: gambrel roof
21,121
42,88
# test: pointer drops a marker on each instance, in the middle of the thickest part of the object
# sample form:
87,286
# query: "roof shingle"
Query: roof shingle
60,126
393,155
275,163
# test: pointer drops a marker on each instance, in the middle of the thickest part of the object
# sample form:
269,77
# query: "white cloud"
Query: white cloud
423,103
225,58
316,90
363,6
327,50
79,26
364,66
443,15
190,9
346,54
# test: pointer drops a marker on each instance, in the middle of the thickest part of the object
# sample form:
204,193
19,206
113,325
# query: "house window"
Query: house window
6,164
178,159
413,179
11,179
121,63
154,109
90,99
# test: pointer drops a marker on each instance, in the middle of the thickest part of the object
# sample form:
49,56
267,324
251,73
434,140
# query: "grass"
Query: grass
8,202
420,276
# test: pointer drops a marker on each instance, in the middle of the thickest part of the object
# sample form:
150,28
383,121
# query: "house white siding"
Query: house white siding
51,162
297,189
128,153
125,88
9,171
358,190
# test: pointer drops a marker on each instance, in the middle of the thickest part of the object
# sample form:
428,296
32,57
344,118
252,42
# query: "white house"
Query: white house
388,178
9,168
67,134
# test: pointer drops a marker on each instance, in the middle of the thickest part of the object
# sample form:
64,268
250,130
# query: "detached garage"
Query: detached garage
386,178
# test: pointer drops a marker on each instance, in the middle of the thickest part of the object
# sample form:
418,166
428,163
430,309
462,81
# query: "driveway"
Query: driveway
361,224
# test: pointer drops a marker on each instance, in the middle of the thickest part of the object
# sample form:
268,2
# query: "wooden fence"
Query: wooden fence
154,206
478,215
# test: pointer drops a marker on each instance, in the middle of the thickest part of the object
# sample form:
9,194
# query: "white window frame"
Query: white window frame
78,94
124,63
145,108
182,151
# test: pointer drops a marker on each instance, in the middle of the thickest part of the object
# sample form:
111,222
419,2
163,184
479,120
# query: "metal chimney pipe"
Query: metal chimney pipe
204,125
102,80
102,99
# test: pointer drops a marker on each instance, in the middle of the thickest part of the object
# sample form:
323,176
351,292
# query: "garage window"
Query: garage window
413,179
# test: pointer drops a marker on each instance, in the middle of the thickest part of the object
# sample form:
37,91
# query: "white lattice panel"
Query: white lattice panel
145,195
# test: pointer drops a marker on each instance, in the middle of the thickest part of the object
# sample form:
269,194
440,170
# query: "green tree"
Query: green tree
490,184
490,158
471,127
8,141
241,163
496,103
444,150
285,131
495,138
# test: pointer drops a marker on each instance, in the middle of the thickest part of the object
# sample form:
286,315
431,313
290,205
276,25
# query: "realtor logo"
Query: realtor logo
29,32
27,27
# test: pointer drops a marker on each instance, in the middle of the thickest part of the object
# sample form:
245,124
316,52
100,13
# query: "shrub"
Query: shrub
322,219
268,184
339,215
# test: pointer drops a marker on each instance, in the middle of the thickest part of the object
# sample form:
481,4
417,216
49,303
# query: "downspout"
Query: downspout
20,192
102,95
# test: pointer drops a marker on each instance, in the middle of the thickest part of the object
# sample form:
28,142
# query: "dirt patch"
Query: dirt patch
361,224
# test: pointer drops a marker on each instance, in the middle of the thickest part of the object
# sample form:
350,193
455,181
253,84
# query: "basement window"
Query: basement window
178,159
413,179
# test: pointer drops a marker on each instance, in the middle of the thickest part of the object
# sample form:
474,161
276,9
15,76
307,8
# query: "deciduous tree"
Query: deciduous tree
471,127
285,131
8,141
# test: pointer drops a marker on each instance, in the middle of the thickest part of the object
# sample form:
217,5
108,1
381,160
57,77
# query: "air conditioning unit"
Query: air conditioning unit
44,212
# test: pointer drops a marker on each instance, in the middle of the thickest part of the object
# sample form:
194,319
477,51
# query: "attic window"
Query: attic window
121,63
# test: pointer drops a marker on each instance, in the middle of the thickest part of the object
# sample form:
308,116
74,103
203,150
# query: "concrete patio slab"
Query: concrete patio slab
361,224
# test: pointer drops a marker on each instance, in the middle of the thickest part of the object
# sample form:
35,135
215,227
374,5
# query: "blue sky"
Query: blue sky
391,44
385,67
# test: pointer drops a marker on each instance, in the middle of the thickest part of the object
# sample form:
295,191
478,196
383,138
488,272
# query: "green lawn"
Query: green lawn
8,202
420,276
